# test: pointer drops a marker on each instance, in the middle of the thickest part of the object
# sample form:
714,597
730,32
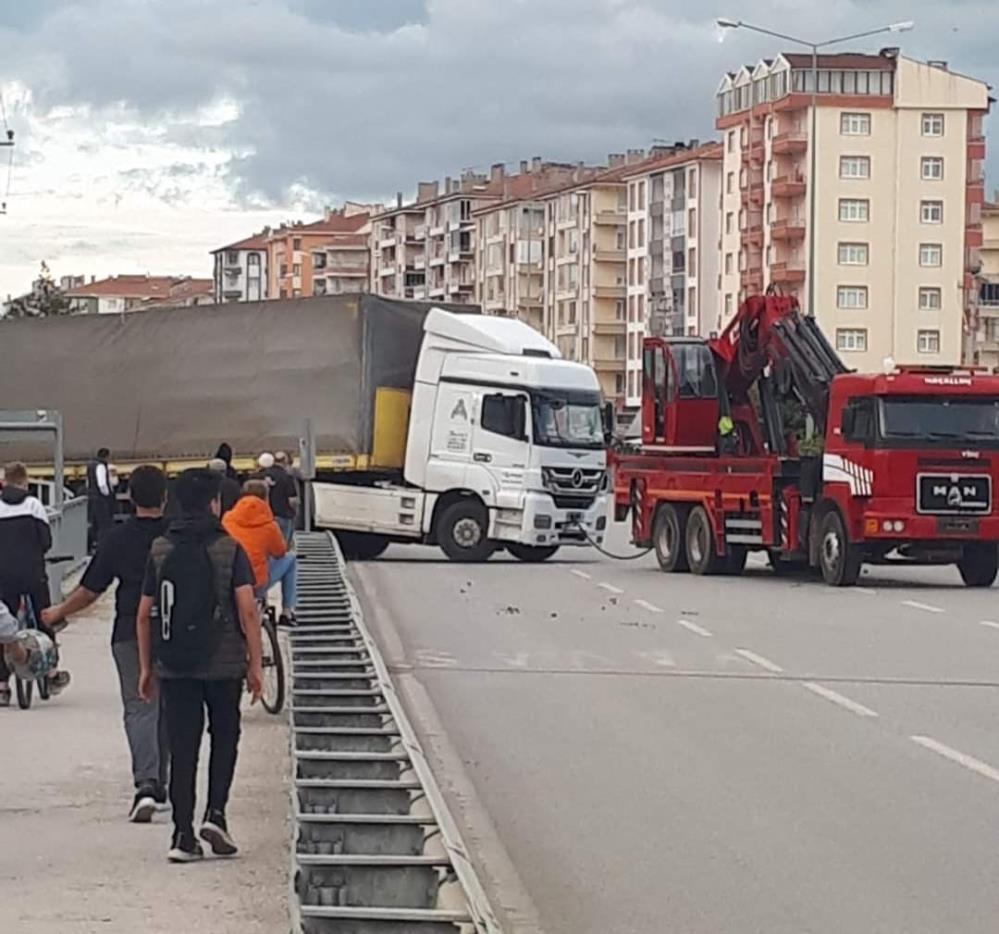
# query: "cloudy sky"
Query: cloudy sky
150,131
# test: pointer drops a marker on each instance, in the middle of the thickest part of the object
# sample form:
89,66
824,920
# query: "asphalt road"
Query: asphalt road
634,752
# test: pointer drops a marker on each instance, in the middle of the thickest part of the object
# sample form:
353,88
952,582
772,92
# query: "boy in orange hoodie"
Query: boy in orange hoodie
252,524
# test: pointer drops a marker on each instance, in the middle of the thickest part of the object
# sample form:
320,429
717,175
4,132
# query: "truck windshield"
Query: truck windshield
567,419
940,420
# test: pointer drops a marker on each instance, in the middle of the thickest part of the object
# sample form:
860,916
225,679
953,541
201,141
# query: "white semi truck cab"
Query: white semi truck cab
505,448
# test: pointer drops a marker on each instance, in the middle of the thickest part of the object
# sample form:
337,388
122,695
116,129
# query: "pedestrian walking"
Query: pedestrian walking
224,453
284,498
100,496
122,555
230,488
198,633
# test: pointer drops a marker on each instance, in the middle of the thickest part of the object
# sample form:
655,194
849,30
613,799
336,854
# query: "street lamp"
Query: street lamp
724,22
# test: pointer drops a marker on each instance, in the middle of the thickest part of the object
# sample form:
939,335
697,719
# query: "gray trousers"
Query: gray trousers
145,724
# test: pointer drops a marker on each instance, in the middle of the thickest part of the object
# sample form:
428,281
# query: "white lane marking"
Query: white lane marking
581,574
916,605
610,588
659,657
969,762
645,605
759,660
693,627
870,591
859,709
989,623
434,659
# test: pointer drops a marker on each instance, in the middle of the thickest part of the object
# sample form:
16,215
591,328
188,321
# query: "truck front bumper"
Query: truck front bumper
542,523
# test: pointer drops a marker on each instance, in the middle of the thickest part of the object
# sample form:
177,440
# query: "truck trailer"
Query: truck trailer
901,468
425,425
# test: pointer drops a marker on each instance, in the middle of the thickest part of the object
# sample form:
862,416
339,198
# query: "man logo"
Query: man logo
953,496
459,411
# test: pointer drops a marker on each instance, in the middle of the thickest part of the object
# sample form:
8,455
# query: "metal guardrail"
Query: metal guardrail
375,850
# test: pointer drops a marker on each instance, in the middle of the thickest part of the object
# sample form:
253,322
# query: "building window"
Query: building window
641,196
770,256
853,254
730,141
933,124
930,254
854,167
930,298
296,243
641,233
730,182
928,341
851,296
692,261
631,235
692,183
931,212
620,239
728,305
729,217
296,269
728,264
851,124
692,222
931,168
854,210
619,309
851,340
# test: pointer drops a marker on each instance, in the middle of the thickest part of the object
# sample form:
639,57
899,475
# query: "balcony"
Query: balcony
609,328
754,236
609,291
420,263
604,363
787,228
794,141
420,233
787,273
604,255
436,260
788,186
752,194
386,271
610,216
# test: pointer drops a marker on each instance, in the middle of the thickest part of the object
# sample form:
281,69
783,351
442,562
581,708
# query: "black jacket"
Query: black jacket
25,536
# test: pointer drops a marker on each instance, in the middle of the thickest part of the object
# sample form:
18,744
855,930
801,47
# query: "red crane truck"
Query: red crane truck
905,474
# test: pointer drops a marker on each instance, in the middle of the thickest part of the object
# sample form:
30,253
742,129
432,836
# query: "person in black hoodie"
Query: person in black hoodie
25,538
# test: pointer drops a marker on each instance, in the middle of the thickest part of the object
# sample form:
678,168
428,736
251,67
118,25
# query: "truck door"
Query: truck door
500,444
679,395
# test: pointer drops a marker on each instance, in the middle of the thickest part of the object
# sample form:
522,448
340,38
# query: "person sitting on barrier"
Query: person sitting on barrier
252,524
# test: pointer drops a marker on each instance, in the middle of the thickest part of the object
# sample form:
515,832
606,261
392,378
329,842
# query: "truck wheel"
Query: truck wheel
735,560
839,561
361,546
532,554
701,544
462,530
978,565
668,538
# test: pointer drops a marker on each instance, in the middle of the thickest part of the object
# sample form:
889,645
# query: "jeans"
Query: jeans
287,527
185,700
285,570
145,724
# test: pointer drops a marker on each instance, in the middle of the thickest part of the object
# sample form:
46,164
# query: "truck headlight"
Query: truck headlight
542,522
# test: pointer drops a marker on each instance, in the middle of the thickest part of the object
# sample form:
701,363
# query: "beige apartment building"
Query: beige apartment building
671,250
898,196
985,351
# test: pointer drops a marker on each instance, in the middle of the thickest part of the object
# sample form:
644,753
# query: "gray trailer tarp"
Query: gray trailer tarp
174,382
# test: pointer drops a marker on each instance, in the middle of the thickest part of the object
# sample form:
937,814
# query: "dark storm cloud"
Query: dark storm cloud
363,97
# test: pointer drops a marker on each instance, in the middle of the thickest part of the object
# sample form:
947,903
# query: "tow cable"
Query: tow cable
604,551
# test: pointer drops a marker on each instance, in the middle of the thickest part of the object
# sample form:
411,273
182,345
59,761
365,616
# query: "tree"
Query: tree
45,300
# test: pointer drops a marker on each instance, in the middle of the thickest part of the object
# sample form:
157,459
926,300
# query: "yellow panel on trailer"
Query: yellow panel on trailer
391,427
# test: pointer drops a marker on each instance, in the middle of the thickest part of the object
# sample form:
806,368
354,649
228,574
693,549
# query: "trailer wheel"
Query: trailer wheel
361,546
462,531
531,554
978,565
701,554
735,560
668,530
839,561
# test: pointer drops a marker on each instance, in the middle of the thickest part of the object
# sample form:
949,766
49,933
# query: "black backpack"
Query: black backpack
193,601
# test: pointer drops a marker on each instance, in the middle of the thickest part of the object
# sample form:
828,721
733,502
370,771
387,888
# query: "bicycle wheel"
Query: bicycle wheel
24,690
273,665
43,687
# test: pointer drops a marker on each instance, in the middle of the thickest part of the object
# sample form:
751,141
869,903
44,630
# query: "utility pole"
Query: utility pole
6,142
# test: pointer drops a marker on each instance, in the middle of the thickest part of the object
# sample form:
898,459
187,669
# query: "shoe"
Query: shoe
161,798
58,682
184,848
215,833
287,619
4,694
143,805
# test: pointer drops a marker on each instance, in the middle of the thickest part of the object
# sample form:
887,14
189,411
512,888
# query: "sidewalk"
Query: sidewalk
70,863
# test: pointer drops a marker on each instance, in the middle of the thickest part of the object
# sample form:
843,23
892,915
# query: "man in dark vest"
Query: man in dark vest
203,641
100,496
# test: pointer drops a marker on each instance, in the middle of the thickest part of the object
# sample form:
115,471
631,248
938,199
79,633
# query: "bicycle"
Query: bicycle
272,661
25,687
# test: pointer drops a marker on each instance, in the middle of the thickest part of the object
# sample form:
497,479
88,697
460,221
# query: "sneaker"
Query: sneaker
215,833
184,848
58,682
161,798
287,619
143,805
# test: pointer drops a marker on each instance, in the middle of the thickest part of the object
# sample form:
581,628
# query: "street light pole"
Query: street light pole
726,23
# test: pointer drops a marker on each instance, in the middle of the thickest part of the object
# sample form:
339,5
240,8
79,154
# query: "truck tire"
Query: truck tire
979,564
361,546
532,554
839,561
700,540
462,529
668,530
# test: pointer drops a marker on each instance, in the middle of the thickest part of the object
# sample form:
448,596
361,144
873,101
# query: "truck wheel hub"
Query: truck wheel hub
467,533
830,546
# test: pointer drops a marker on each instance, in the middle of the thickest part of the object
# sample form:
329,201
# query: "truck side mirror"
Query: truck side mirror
608,414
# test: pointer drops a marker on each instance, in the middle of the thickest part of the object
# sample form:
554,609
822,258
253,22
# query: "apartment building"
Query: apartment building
397,247
240,270
985,323
510,241
118,294
299,254
671,250
897,230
